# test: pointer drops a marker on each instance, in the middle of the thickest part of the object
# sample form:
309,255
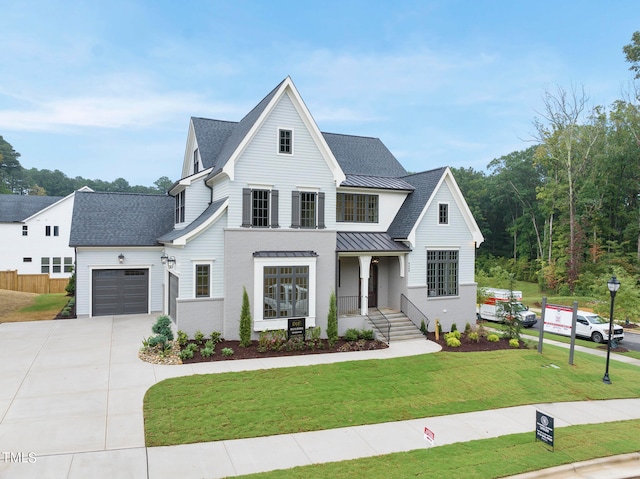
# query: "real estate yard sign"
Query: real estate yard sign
558,319
544,428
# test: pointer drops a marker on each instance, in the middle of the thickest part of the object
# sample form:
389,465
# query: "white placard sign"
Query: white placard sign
558,319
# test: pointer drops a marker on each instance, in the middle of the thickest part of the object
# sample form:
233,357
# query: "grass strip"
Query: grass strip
482,459
47,303
226,406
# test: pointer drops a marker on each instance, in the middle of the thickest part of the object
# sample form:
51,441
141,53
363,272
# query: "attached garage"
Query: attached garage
120,291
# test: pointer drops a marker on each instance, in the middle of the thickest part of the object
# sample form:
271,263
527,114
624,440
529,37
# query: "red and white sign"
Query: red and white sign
429,435
558,319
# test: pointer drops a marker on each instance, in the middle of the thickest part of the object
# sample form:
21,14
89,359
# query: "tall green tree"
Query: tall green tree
11,171
632,53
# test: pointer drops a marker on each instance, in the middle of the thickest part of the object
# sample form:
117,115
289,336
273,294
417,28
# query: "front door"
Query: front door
373,285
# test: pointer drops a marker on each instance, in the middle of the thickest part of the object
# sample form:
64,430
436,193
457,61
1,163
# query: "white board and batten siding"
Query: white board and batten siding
99,258
432,236
206,248
261,165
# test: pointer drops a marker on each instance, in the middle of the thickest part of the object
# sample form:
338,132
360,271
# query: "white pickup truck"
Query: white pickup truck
557,319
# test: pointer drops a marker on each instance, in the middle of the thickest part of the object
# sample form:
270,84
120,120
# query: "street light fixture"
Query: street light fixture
614,285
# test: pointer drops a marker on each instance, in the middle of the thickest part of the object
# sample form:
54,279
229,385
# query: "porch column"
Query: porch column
401,264
365,264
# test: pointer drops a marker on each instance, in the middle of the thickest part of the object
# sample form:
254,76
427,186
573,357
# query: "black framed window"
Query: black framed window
259,208
196,163
44,265
307,210
286,291
442,272
57,262
47,230
25,230
443,213
180,207
285,141
356,208
56,231
203,280
68,264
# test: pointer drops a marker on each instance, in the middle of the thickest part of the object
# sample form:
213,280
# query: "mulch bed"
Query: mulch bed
251,352
468,346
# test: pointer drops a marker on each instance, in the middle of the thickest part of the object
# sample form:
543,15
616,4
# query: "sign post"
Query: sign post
544,429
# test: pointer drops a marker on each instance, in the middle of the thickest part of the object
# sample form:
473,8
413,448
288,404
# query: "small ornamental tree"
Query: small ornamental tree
509,313
245,320
332,320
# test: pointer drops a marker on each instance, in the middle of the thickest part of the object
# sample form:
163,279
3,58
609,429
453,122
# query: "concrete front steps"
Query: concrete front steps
402,329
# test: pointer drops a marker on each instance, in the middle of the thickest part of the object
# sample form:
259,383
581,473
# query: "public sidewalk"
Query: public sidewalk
73,398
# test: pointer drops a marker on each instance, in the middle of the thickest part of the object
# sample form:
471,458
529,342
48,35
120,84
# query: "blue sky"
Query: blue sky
106,89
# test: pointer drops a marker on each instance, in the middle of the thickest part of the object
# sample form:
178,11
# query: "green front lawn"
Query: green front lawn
482,459
277,401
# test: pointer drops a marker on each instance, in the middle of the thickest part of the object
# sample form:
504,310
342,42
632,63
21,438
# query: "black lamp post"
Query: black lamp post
614,285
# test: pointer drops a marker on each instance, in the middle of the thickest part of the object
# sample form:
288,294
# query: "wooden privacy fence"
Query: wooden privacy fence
32,283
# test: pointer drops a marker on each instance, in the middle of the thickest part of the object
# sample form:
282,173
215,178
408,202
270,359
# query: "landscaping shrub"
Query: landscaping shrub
313,334
163,327
332,320
183,338
452,341
473,336
186,354
70,288
514,343
245,320
493,337
423,328
207,352
294,344
467,327
351,334
210,344
272,340
216,336
198,337
366,334
454,327
227,352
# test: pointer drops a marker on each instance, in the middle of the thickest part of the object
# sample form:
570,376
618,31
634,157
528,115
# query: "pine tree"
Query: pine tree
245,320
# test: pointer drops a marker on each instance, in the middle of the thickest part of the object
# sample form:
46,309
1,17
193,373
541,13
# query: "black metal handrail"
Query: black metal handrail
412,312
380,321
348,305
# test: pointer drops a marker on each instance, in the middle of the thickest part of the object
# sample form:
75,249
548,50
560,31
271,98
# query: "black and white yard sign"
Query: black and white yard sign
544,428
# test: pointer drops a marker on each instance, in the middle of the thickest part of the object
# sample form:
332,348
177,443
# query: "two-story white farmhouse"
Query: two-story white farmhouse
34,234
273,205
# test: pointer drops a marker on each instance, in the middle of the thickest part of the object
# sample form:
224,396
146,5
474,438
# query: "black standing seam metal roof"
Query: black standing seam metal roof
382,183
406,217
349,241
17,208
206,214
120,219
284,254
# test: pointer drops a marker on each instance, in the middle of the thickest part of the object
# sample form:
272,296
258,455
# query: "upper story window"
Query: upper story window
180,207
443,213
56,231
196,163
356,208
307,209
285,141
47,230
259,208
25,230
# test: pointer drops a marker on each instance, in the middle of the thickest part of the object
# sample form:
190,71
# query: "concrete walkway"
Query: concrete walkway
71,397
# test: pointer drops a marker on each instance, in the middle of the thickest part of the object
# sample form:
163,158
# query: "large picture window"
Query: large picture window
442,273
286,291
355,208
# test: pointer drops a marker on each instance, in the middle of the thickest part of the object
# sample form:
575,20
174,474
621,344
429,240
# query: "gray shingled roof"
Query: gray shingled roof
239,132
366,241
424,184
206,214
211,136
378,182
361,155
17,208
120,219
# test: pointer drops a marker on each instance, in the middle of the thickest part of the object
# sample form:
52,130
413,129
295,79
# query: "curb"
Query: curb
625,466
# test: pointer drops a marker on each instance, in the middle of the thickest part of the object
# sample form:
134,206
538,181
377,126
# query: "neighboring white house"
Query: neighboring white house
34,234
274,205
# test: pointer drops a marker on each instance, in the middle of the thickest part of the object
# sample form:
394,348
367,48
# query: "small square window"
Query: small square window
443,213
25,230
286,141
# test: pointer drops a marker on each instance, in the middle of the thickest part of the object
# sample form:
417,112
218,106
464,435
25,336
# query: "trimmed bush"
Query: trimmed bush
467,327
332,319
163,327
199,337
186,354
423,328
452,341
514,343
366,334
207,352
351,334
216,336
454,327
493,337
227,352
245,320
473,336
183,338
